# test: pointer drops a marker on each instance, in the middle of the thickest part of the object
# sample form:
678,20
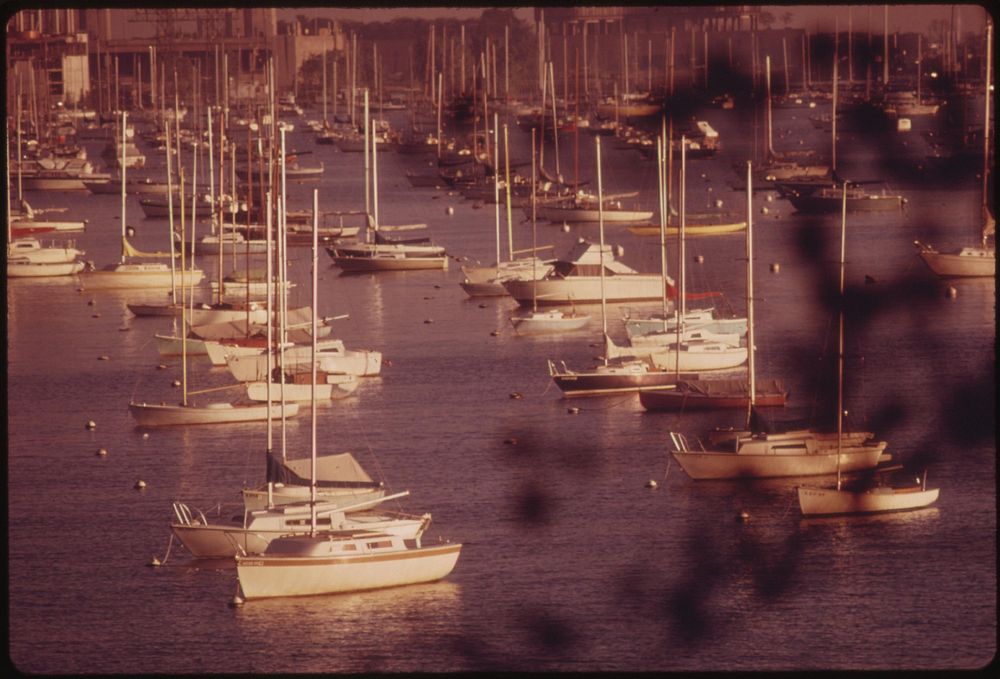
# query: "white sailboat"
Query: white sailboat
185,413
977,260
136,275
253,531
865,495
487,281
801,453
548,320
328,562
686,349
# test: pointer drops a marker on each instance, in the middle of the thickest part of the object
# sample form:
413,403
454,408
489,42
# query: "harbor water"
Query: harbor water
571,560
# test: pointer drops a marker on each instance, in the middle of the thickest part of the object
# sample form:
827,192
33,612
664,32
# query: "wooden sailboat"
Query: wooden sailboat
128,275
547,320
977,260
801,453
710,394
328,562
868,494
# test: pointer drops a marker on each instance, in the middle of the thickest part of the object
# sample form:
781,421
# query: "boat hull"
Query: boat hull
586,289
267,577
152,415
969,262
562,214
684,399
817,501
29,269
125,276
723,465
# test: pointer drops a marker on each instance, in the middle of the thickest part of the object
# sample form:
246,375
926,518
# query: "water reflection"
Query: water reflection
402,628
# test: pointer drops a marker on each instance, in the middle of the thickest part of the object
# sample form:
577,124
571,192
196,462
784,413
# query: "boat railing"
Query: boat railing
184,515
679,442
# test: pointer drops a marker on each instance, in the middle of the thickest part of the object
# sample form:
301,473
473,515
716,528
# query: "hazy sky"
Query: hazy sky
813,17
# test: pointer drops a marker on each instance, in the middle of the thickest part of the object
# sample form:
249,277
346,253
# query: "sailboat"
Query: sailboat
607,377
129,275
977,260
27,257
868,494
689,350
701,394
328,562
287,382
383,253
487,281
184,413
802,453
547,320
252,532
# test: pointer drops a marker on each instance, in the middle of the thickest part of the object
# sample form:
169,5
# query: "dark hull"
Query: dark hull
715,394
814,204
596,384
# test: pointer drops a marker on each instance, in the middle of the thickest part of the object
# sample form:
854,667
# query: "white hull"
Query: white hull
41,225
219,352
691,358
168,346
242,289
340,387
125,276
772,463
586,289
220,541
199,316
967,262
543,322
565,214
278,576
816,501
701,318
334,359
19,268
151,415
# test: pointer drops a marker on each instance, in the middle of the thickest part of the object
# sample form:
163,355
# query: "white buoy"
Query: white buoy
145,435
770,198
104,357
175,383
101,452
573,410
651,483
450,210
952,292
775,267
91,424
237,601
162,366
495,333
516,395
565,227
92,302
743,516
699,258
428,320
482,306
764,210
140,484
155,563
718,204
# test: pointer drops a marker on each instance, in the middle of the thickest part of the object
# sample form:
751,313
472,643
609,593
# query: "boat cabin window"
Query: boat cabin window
381,544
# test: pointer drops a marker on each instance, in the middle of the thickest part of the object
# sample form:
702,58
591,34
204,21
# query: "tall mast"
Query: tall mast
315,313
600,223
534,238
986,122
840,337
496,188
751,371
124,249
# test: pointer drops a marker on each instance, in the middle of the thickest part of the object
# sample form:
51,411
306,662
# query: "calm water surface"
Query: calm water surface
569,561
